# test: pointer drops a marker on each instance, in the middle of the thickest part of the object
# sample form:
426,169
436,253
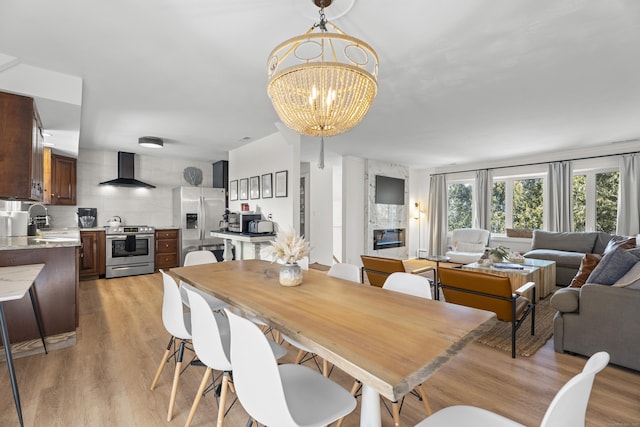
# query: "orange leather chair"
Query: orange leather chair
379,268
492,293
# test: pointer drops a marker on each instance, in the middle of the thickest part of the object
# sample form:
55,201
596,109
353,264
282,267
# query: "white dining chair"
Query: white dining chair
345,271
178,324
198,258
567,409
212,343
286,395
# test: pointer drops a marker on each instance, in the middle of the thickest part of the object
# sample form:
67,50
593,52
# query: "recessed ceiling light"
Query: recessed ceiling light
151,142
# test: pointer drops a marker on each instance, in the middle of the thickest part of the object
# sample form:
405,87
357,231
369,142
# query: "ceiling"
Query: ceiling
460,82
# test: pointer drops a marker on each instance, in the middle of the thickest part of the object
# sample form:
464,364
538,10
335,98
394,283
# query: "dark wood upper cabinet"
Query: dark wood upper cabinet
21,145
63,180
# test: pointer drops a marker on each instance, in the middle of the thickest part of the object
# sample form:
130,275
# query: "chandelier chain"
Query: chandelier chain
323,21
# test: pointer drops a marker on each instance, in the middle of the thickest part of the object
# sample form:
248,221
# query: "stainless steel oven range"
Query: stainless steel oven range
130,250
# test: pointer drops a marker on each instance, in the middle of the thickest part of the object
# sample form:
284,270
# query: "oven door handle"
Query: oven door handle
124,236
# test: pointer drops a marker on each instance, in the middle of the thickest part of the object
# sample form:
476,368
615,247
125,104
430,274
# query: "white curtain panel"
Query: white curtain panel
628,196
482,201
437,215
559,210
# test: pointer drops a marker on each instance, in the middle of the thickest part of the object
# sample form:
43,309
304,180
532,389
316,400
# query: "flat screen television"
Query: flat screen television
389,191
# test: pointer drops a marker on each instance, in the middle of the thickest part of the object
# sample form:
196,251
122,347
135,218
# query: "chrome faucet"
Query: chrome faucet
39,217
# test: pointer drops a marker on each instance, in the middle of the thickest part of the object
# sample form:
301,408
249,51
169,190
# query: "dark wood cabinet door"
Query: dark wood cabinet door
20,148
92,255
167,249
63,180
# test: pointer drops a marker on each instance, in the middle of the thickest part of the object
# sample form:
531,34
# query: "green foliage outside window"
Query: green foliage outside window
498,208
579,202
459,206
607,201
527,203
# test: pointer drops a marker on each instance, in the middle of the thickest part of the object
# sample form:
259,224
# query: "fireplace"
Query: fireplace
388,238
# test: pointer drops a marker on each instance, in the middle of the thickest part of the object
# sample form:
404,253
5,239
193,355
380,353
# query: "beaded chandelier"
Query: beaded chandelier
322,83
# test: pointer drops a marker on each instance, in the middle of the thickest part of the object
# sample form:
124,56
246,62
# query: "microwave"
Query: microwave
239,221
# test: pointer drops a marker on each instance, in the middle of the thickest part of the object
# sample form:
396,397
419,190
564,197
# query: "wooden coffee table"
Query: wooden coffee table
542,272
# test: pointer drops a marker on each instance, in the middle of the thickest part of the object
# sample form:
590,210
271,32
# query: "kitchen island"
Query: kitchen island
256,240
56,288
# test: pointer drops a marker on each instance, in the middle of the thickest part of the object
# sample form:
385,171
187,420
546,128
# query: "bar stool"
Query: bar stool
17,280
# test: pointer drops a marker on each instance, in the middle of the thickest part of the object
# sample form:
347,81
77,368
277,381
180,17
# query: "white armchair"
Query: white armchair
468,245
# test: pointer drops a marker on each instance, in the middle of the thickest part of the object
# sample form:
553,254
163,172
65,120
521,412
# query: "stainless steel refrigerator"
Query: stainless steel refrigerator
198,210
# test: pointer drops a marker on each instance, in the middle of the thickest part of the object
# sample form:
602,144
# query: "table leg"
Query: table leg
12,372
370,409
228,253
436,282
38,319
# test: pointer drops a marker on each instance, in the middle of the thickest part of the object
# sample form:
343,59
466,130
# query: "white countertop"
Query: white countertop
251,238
53,238
16,280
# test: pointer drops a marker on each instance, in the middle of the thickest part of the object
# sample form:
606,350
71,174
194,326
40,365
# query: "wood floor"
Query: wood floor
104,379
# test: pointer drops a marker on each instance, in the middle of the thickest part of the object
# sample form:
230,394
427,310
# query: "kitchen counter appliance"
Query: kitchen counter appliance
130,250
239,221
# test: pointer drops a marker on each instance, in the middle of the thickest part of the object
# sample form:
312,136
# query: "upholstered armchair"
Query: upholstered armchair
468,245
377,269
492,293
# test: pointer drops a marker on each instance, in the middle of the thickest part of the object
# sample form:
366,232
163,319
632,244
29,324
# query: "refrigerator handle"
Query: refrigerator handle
203,211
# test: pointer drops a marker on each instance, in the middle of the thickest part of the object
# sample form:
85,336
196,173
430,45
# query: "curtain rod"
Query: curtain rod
541,163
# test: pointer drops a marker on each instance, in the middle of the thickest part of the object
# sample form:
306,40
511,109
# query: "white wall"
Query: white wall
319,213
353,209
274,153
136,206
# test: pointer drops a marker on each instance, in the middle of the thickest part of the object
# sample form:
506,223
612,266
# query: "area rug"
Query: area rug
526,345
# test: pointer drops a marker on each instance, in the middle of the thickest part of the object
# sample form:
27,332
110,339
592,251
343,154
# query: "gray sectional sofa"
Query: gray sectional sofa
566,249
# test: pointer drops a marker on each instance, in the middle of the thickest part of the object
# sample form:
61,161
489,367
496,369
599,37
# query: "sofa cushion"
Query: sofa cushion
573,242
470,247
588,263
619,241
562,258
566,300
630,279
613,266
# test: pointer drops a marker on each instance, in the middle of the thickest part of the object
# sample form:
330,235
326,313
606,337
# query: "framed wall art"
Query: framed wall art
267,182
281,184
244,189
233,190
254,187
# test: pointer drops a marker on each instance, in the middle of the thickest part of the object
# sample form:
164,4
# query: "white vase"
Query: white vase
290,274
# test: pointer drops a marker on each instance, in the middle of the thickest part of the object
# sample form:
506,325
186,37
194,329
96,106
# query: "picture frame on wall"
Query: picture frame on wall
267,183
233,190
244,189
281,183
254,187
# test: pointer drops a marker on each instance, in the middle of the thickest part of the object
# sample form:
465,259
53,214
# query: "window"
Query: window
459,205
595,200
517,203
527,204
498,210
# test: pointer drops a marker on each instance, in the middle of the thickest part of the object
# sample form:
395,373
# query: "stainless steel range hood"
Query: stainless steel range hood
126,173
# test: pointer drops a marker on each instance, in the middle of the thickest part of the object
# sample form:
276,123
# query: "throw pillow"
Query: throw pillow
631,277
613,266
620,241
588,263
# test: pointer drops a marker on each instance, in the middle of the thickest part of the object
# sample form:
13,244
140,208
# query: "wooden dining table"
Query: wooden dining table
389,341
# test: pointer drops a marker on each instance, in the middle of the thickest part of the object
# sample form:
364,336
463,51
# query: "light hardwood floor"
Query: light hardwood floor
104,379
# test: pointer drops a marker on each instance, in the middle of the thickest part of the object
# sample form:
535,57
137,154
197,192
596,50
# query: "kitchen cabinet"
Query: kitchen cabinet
56,290
59,179
21,149
92,254
221,178
167,249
